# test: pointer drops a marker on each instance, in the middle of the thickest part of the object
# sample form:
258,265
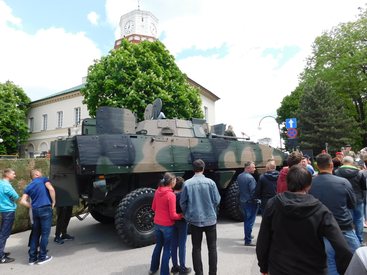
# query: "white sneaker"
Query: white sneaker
32,262
47,259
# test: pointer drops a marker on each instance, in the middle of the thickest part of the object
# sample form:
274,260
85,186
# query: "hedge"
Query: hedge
22,168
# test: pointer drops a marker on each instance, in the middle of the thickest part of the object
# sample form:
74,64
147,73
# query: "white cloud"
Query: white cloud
249,84
46,62
114,10
6,15
93,18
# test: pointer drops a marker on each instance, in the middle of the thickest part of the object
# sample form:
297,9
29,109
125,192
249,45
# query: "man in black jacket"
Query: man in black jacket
291,234
358,181
337,194
266,188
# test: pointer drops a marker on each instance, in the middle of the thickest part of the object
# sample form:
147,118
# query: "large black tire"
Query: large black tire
231,203
134,218
101,218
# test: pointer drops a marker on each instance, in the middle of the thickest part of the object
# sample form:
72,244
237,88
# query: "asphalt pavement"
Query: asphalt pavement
97,249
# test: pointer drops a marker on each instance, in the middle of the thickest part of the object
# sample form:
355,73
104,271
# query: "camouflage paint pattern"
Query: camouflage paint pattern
156,147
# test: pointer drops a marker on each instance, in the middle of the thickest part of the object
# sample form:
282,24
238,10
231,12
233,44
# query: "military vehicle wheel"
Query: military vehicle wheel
134,218
231,202
101,218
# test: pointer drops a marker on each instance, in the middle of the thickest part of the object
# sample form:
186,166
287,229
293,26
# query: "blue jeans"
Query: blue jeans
357,214
179,241
5,230
249,211
42,221
353,244
163,236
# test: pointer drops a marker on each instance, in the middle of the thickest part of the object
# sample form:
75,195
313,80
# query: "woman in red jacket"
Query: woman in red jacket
164,206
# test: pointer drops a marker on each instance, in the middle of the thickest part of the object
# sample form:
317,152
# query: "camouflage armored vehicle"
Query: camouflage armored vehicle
114,166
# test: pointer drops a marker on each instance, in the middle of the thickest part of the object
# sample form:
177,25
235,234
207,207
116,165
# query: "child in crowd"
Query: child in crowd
179,235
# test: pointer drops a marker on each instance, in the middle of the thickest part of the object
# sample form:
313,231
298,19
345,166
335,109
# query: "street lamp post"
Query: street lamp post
280,136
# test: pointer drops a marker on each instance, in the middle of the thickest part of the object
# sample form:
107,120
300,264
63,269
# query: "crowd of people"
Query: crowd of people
313,215
40,197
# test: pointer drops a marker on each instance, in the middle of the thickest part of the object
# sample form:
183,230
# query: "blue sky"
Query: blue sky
249,53
282,55
66,14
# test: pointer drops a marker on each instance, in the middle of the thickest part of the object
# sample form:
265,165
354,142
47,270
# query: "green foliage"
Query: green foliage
323,119
338,59
135,75
289,108
22,168
290,105
13,111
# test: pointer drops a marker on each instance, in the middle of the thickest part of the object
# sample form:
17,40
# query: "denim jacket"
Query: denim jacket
199,201
247,186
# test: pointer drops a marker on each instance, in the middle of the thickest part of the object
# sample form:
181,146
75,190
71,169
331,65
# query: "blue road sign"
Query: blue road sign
291,123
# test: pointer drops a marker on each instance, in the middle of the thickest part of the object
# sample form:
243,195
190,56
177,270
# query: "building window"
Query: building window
60,116
206,113
44,122
77,113
31,125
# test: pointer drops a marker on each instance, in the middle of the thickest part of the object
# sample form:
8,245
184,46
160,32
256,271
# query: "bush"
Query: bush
22,168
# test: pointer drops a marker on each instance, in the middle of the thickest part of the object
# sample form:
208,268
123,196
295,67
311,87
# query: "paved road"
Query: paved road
97,249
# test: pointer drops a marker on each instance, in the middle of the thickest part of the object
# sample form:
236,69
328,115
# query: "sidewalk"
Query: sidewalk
98,250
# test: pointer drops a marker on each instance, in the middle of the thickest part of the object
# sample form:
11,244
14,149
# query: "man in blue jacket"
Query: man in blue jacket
8,196
249,203
199,201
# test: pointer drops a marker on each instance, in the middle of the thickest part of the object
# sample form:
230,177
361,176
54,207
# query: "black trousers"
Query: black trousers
211,241
63,218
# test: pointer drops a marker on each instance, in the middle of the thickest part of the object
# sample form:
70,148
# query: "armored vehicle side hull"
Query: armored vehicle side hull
116,174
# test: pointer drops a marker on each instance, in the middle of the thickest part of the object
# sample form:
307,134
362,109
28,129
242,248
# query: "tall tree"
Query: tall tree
134,75
340,58
289,108
323,119
290,105
13,111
